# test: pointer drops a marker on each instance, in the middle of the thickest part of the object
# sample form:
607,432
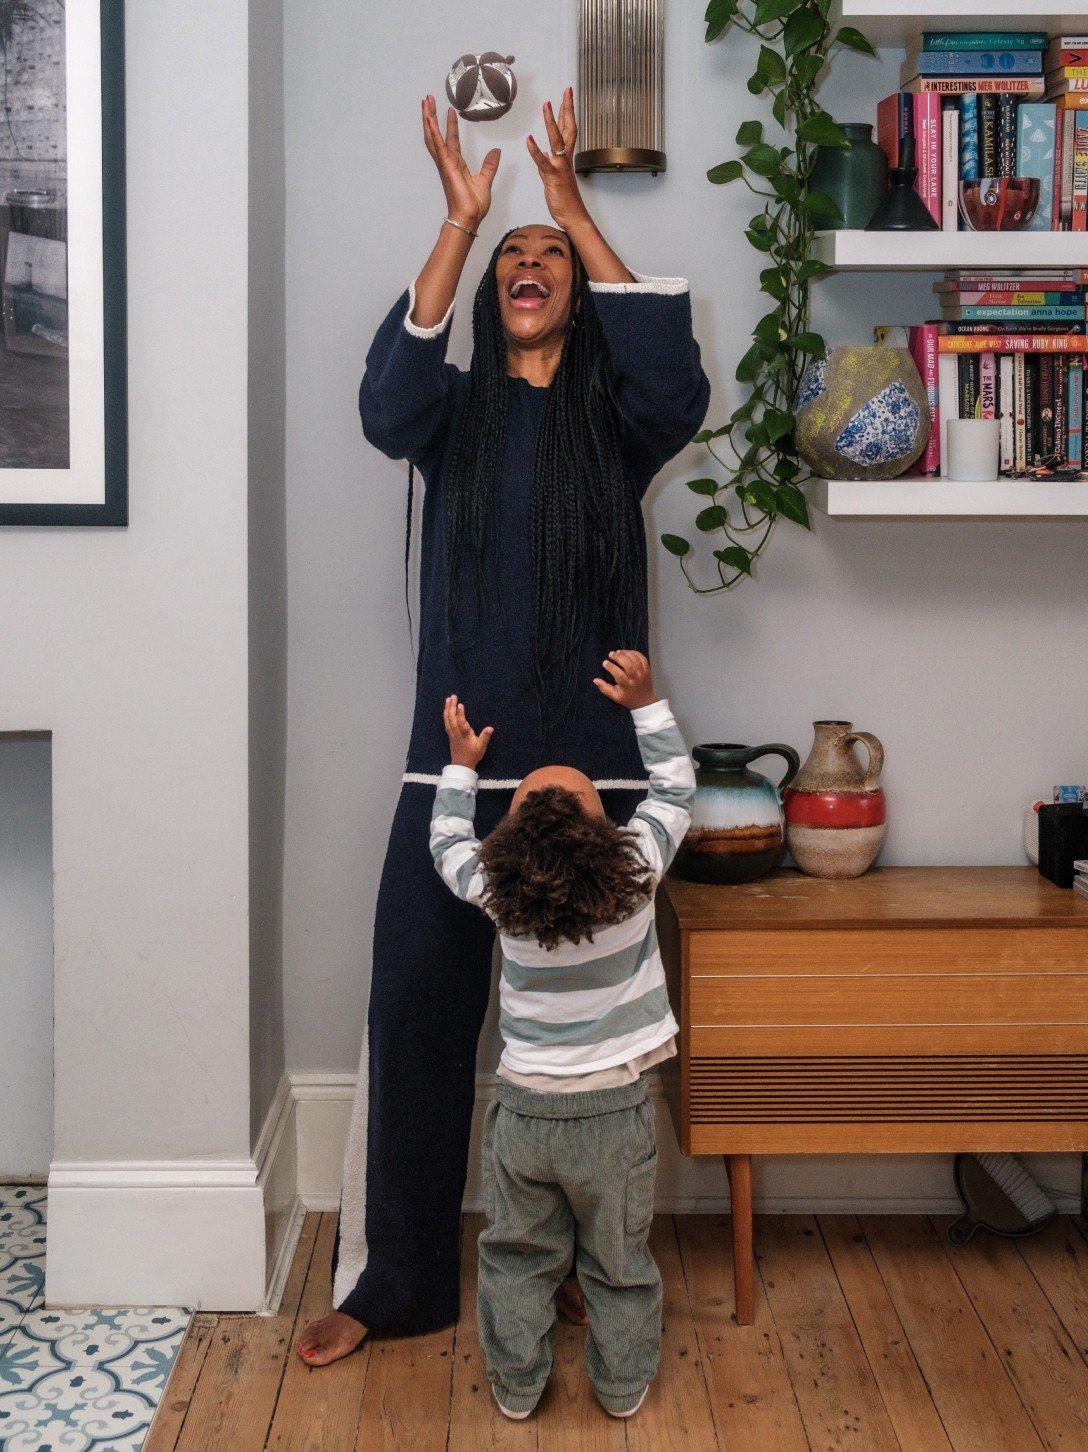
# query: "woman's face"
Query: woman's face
533,272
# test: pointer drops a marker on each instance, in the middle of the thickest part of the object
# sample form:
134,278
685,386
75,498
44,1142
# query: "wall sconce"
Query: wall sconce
620,50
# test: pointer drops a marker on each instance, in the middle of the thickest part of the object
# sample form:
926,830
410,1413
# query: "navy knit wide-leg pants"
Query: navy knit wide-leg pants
430,984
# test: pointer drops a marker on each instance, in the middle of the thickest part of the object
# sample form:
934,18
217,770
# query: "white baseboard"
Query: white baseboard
782,1184
156,1233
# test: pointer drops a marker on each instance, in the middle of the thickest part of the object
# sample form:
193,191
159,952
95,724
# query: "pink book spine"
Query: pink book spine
923,349
987,385
928,141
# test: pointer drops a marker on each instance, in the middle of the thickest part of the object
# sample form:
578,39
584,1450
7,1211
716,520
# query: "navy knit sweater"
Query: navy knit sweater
410,402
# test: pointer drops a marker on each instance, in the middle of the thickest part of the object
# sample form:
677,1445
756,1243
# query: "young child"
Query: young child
569,1155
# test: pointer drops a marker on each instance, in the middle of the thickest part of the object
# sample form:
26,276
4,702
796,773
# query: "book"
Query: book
922,342
969,165
1079,218
947,398
989,330
987,40
1061,382
967,403
984,85
966,281
1005,405
1035,123
987,313
927,151
1064,178
1062,85
1068,73
1011,343
1007,107
950,165
1031,386
1074,411
894,121
987,135
1058,57
987,385
1045,407
1007,299
1019,415
1019,62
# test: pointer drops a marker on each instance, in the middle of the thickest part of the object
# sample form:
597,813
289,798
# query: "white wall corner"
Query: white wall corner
156,1233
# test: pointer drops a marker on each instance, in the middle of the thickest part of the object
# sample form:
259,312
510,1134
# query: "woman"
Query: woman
585,379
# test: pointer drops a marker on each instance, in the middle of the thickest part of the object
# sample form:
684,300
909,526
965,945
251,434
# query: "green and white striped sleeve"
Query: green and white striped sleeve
662,819
454,845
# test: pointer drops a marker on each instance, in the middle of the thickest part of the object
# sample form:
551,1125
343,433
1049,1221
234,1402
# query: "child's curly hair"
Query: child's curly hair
554,873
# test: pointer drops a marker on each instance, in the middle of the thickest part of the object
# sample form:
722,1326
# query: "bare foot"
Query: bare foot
335,1335
570,1303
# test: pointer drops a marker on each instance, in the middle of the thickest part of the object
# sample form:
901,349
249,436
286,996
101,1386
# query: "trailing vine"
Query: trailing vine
765,473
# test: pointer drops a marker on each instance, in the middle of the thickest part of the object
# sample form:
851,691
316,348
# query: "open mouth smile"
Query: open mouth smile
529,293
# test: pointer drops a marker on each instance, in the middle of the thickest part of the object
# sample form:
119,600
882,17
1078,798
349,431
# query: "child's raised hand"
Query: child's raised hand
466,746
631,684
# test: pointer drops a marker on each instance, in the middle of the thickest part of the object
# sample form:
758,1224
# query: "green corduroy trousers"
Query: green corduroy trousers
569,1178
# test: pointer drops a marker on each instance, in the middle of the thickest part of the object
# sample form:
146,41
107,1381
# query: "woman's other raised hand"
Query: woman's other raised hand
556,166
468,193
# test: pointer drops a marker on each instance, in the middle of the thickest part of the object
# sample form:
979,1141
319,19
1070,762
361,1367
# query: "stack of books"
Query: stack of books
1080,881
1008,346
993,104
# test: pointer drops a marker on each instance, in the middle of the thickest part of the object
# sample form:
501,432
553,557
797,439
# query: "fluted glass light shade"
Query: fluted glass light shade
620,52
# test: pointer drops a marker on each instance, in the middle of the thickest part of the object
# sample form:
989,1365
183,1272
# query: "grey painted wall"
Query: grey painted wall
267,553
26,958
130,647
959,644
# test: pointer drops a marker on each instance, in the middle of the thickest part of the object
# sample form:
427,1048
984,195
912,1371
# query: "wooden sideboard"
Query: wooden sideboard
915,1009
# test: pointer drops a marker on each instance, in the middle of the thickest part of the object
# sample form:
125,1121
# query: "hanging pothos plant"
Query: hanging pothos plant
761,480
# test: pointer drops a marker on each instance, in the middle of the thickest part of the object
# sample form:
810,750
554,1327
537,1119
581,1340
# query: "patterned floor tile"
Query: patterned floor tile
76,1409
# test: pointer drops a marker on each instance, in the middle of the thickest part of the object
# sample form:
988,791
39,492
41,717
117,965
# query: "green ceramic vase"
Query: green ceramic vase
855,177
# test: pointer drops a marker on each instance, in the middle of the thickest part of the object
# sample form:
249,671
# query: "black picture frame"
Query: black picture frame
113,510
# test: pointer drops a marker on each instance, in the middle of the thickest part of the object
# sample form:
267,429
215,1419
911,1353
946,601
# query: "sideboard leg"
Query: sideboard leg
739,1170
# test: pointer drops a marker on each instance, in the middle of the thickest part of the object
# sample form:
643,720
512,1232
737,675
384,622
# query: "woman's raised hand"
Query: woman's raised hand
556,167
468,193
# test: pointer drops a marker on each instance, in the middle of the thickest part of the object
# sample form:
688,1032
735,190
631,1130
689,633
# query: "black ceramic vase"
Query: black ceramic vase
903,210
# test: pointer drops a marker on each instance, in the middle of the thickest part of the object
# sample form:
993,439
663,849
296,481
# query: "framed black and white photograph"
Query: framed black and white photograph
63,425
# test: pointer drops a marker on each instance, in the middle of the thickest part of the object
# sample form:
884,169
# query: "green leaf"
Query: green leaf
749,133
736,557
778,107
756,85
770,67
787,187
769,329
749,365
771,282
807,343
719,15
811,268
704,486
792,503
803,28
807,67
713,517
725,171
762,159
768,10
778,423
822,131
762,496
786,468
848,36
676,545
705,435
820,202
760,240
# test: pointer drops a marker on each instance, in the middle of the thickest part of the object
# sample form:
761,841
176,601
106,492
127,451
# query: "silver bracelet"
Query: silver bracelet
462,227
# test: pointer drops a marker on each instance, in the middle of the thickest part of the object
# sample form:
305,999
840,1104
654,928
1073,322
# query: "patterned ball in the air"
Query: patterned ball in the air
482,87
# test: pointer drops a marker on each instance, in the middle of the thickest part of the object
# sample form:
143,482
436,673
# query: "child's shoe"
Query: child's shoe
627,1411
518,1416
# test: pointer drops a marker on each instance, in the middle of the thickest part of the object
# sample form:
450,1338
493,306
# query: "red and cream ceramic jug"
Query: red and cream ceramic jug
836,815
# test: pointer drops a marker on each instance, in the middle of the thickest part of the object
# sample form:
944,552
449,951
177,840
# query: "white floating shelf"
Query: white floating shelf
914,498
931,251
898,22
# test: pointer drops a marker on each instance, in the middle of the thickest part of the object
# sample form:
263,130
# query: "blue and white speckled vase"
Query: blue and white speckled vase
861,413
737,828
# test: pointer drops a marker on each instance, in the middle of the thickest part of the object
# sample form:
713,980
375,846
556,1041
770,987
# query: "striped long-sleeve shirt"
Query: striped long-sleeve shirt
581,1007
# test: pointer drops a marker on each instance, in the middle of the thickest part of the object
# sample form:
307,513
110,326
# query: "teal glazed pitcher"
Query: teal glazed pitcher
737,828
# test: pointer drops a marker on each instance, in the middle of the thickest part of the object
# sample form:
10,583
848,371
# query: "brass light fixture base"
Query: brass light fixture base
619,158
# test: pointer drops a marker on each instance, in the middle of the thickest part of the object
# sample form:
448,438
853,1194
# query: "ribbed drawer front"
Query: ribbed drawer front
875,1090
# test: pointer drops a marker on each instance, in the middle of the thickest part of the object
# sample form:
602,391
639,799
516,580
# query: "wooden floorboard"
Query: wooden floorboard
868,1333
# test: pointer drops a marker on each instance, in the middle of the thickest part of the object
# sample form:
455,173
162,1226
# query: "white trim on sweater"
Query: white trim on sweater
511,783
643,283
414,328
